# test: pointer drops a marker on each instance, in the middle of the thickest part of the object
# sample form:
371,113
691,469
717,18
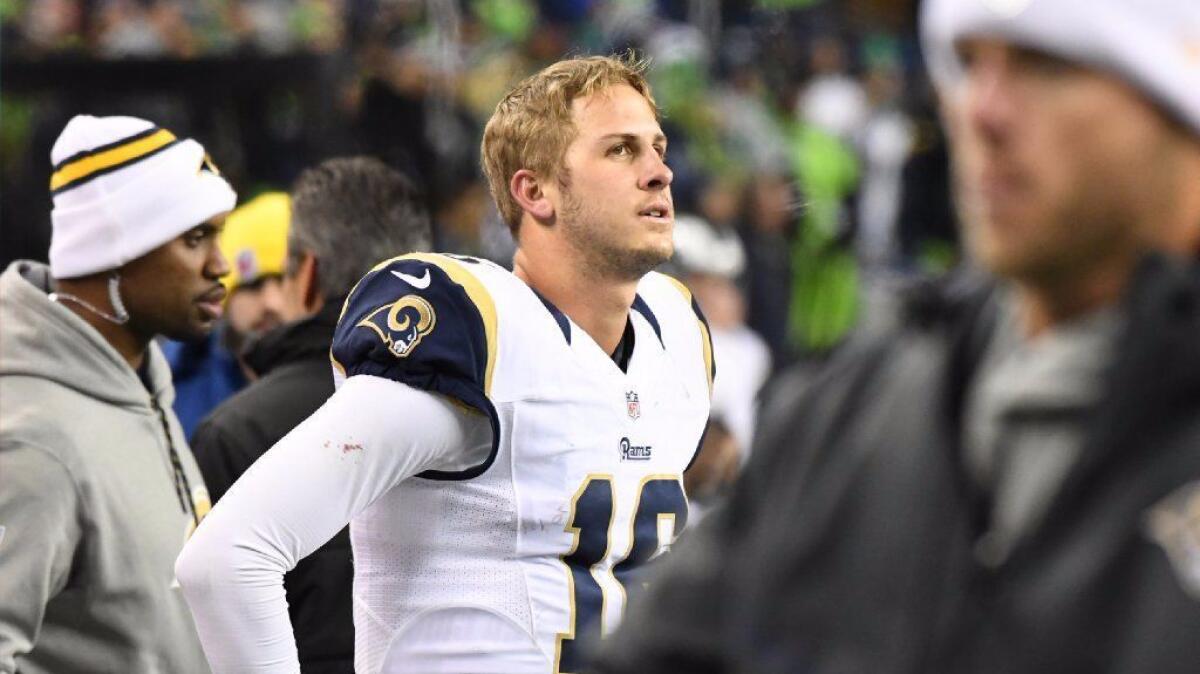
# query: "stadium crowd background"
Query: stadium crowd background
804,129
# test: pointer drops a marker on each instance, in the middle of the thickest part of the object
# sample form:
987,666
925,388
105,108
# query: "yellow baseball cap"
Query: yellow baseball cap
254,240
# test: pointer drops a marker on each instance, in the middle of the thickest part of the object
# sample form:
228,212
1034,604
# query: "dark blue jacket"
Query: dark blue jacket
205,374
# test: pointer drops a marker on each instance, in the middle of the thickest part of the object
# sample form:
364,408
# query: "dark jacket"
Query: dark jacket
292,362
852,544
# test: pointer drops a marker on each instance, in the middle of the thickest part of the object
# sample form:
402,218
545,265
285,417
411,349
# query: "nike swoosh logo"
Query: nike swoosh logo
418,283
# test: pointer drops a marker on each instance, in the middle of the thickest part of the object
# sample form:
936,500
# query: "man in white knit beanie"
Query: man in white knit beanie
1008,482
98,489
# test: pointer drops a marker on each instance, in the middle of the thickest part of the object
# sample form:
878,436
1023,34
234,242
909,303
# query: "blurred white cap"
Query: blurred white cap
1152,44
701,248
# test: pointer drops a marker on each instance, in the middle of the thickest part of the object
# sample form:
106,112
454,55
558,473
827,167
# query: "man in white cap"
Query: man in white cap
98,490
1010,481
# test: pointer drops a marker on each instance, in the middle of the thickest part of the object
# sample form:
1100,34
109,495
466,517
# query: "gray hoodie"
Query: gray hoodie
93,512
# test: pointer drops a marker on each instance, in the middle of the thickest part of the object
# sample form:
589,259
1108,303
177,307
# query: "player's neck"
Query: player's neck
599,307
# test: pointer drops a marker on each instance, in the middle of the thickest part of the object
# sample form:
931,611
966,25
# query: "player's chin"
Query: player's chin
662,242
651,257
667,251
657,248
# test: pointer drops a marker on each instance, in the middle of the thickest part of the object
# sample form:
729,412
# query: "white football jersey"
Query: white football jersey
514,562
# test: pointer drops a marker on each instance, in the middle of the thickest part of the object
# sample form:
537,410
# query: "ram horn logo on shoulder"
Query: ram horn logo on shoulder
402,324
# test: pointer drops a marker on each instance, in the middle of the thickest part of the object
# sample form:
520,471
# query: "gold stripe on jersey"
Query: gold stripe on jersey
706,338
87,166
480,297
342,314
340,368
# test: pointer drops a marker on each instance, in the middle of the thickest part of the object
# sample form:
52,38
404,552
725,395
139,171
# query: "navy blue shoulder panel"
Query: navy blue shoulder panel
559,317
712,361
424,321
640,306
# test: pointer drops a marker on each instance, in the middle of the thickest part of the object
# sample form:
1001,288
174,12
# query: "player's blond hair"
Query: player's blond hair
532,125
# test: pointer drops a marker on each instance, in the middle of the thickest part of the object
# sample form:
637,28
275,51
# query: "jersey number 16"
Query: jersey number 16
660,511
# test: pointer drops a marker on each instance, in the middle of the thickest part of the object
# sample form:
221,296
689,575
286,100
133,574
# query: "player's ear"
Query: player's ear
527,190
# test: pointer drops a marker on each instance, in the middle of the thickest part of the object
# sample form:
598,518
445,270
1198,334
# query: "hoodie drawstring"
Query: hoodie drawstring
182,488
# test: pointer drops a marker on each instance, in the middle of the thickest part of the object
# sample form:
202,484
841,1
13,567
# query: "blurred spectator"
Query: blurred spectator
395,96
710,260
346,213
255,243
833,101
743,108
209,370
130,28
824,302
51,25
1008,482
771,205
493,37
461,219
830,116
886,143
99,488
928,236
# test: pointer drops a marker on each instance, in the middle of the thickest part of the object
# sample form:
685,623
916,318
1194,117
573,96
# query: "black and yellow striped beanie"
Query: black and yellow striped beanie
123,187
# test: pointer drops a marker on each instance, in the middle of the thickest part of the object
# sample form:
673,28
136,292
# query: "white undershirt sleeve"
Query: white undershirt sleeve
368,437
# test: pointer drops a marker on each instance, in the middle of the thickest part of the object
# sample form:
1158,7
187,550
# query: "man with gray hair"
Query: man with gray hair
346,213
98,490
1009,481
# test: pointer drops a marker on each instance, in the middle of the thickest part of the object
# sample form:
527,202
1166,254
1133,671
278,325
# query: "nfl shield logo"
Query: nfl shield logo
632,405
